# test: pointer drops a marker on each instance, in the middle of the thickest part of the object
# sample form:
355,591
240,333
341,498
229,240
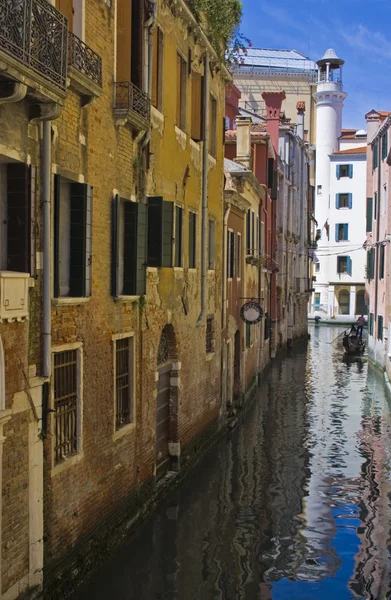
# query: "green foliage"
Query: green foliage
221,20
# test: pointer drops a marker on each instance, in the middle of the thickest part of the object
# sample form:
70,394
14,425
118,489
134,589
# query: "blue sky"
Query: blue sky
358,30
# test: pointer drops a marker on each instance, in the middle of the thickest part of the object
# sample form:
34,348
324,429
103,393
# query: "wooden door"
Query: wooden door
163,415
66,8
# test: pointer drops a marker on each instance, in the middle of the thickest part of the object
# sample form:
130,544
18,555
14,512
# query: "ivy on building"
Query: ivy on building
221,21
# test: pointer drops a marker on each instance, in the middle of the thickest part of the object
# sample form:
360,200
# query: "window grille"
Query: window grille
123,383
65,404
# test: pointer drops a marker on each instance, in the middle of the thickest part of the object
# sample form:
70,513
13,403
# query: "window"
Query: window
375,207
343,201
157,69
252,232
248,335
66,398
124,382
192,239
210,334
181,92
248,232
211,245
213,126
231,255
370,264
341,232
371,323
17,201
72,238
317,267
197,106
383,208
130,247
384,145
375,155
178,236
344,171
318,189
369,214
381,261
239,256
267,326
344,265
344,302
130,39
160,232
380,327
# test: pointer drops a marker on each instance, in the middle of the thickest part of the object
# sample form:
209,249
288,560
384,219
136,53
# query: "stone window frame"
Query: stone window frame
76,458
119,433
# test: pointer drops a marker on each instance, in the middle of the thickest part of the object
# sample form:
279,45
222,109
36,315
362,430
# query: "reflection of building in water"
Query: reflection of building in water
372,571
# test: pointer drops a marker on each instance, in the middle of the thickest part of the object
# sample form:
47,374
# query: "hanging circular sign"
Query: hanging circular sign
251,312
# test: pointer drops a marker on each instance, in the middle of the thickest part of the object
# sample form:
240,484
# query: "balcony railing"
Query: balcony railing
129,97
35,33
84,59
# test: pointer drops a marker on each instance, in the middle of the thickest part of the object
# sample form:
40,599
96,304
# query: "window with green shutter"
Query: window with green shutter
369,214
248,335
375,155
192,239
380,327
381,261
160,232
178,237
17,227
371,322
72,238
384,145
248,232
129,247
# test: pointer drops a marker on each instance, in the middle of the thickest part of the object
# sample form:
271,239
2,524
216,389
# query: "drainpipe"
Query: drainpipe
149,24
377,227
205,164
46,172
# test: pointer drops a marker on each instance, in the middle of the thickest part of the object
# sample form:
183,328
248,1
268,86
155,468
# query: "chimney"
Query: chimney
243,141
374,120
273,101
300,106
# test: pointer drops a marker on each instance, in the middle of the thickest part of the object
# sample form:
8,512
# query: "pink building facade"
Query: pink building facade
378,272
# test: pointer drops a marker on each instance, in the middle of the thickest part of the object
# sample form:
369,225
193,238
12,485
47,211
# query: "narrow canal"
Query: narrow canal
294,504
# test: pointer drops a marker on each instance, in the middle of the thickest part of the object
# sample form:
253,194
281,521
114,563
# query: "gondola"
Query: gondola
352,342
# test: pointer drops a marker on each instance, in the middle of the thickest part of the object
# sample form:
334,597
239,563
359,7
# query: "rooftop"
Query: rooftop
352,134
233,167
276,60
359,150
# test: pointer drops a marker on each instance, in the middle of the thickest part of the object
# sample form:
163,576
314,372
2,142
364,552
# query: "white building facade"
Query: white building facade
340,202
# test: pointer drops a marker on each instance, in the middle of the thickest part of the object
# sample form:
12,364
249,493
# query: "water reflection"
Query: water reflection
293,504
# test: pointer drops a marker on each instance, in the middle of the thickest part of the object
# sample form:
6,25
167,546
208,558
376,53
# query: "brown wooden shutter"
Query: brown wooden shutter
124,52
66,8
155,67
178,89
196,106
18,217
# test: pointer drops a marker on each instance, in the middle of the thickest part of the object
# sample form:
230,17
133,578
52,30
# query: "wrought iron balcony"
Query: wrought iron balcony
132,103
84,59
34,35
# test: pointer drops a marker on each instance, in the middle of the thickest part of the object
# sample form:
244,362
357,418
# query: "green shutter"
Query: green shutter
375,155
380,327
115,225
77,260
88,256
56,244
248,231
142,249
160,232
178,236
192,240
369,214
381,262
371,320
248,335
135,248
384,145
18,217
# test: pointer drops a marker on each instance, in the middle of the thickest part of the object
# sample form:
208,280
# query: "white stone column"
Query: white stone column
352,304
331,301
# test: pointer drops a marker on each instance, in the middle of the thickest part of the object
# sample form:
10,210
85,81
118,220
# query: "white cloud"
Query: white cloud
361,38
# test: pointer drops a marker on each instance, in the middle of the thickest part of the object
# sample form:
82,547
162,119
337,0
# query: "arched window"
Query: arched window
344,302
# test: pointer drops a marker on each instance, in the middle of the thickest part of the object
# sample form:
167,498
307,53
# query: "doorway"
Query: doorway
344,302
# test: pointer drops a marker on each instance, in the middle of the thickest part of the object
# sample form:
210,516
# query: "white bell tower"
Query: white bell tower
329,98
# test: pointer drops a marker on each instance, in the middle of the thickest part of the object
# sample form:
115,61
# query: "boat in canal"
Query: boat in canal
352,342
